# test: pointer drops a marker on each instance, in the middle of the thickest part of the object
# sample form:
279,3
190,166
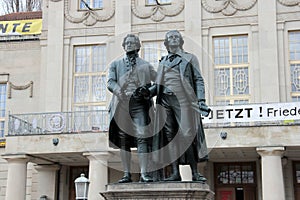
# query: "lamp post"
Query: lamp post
81,187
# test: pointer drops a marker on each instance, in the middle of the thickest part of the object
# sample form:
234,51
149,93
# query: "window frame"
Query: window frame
90,74
161,3
294,95
240,164
4,81
91,2
231,98
162,52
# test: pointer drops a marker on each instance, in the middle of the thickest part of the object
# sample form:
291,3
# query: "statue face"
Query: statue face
173,38
130,44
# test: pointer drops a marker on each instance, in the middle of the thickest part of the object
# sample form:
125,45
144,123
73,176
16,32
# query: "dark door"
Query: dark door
75,173
235,181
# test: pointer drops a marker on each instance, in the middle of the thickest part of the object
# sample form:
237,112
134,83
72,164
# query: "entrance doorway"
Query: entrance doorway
296,169
235,181
75,173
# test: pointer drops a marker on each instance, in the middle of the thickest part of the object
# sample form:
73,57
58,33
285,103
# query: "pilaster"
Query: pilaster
192,28
52,58
123,17
268,55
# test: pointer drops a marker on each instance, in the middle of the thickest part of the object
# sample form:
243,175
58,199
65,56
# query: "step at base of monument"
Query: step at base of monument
158,191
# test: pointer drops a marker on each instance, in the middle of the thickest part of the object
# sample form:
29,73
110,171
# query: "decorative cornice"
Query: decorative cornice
22,87
234,21
90,17
227,7
285,17
157,12
109,30
290,2
160,26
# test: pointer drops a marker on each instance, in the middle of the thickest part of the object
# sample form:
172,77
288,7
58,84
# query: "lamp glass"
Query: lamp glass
81,187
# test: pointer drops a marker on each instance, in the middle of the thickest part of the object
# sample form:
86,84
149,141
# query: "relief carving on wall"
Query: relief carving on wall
21,87
227,7
290,2
88,17
156,12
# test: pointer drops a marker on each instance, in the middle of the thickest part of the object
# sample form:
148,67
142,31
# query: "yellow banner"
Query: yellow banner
21,27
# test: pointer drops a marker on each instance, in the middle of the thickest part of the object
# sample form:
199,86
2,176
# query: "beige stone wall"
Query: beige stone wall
49,64
22,61
3,176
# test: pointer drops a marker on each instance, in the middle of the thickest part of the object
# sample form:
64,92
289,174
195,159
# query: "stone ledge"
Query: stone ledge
159,191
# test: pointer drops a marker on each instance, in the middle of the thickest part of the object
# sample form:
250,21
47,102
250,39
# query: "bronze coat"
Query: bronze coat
193,84
117,77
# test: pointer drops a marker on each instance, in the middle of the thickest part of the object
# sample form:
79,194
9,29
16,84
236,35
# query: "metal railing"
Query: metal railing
58,122
248,115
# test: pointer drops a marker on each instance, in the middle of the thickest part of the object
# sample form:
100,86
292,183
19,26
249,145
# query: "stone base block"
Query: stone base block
158,191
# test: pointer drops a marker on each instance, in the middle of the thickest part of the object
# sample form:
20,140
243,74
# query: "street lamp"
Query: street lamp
43,197
82,187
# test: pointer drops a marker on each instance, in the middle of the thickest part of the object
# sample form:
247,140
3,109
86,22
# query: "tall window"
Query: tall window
153,51
153,2
96,4
231,70
89,78
89,88
294,49
2,107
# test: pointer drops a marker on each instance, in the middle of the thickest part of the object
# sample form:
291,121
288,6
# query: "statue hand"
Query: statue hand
143,91
121,95
204,109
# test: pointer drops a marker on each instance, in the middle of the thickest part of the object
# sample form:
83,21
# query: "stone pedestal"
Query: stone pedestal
158,191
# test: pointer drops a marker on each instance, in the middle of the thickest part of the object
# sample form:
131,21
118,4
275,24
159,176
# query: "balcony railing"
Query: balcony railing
248,115
59,122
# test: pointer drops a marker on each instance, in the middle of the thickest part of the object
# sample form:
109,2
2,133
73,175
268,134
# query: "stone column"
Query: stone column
47,175
98,173
16,177
272,175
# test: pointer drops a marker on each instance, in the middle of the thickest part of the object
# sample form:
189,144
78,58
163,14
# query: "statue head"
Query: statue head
131,43
173,38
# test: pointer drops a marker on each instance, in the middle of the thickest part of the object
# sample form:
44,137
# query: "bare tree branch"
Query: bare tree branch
10,6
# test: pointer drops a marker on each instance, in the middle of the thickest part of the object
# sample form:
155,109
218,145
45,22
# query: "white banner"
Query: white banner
254,113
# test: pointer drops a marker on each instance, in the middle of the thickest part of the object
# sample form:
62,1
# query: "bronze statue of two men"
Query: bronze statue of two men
173,134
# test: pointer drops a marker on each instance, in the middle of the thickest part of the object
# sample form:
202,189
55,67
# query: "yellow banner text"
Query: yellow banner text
21,27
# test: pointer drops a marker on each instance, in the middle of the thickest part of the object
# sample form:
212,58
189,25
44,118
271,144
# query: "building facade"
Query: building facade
54,100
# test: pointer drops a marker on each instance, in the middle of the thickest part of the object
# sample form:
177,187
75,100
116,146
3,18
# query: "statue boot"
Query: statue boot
126,178
196,176
126,159
175,176
143,160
